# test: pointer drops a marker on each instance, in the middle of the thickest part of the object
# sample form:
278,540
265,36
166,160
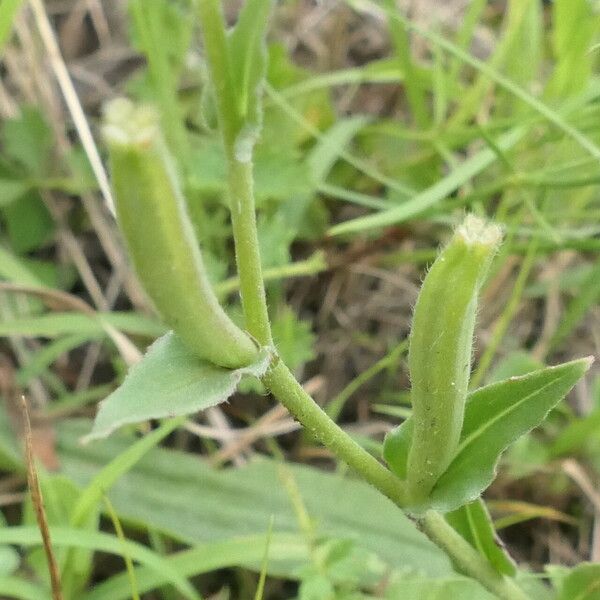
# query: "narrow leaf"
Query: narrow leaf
249,63
582,583
170,381
12,189
206,505
8,11
473,522
103,542
396,446
497,415
327,150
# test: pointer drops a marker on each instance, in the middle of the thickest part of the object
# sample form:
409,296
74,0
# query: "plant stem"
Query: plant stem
240,181
290,393
279,380
247,252
466,559
284,386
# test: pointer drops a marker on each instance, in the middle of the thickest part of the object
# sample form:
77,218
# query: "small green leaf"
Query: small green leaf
28,223
28,140
103,542
396,446
12,189
474,523
248,57
582,583
8,11
327,150
497,415
413,585
515,364
577,436
574,26
9,557
293,338
170,381
10,453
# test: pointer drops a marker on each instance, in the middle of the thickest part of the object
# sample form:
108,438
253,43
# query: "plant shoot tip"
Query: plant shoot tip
127,124
475,230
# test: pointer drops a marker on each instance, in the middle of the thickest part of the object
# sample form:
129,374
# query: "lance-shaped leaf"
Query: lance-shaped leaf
474,523
169,381
582,583
498,415
248,61
495,416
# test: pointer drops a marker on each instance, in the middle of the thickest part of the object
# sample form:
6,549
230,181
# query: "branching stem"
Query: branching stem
279,380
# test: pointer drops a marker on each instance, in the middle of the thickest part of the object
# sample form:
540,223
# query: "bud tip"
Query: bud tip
125,123
475,230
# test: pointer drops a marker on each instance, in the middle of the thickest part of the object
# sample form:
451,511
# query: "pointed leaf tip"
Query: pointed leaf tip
496,416
168,382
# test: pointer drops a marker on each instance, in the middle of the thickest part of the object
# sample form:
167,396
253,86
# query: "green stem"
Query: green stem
279,380
247,251
290,393
240,183
466,559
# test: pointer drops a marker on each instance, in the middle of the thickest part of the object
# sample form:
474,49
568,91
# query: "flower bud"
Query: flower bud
152,214
440,350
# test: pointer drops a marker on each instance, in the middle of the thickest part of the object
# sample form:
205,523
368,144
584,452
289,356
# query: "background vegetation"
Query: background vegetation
368,156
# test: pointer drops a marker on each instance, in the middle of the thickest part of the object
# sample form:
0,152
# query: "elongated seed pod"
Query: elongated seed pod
152,215
440,350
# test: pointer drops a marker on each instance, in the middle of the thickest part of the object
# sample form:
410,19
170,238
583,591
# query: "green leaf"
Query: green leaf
275,237
8,11
474,523
582,583
414,586
41,360
205,504
201,559
327,150
9,557
16,587
94,540
169,381
12,189
248,57
57,324
28,223
574,26
28,140
293,338
9,561
280,175
428,198
10,454
515,363
577,435
397,444
497,415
